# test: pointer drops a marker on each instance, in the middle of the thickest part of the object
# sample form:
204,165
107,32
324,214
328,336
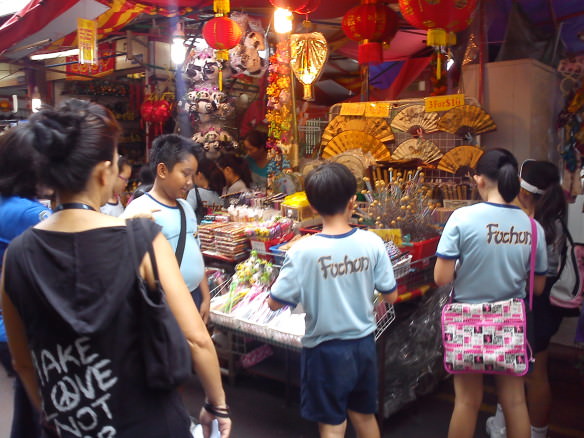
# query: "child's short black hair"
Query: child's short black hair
171,149
329,188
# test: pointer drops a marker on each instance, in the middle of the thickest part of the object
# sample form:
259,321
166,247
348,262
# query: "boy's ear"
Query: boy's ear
161,170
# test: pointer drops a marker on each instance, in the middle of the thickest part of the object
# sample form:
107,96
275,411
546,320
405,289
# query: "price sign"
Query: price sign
353,109
443,103
377,109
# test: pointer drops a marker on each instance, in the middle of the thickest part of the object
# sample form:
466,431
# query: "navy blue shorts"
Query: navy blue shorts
336,376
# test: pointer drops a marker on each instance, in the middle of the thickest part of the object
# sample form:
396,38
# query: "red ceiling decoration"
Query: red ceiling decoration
372,24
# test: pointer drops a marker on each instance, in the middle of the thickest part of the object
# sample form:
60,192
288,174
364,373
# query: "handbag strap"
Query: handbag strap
532,260
137,261
180,246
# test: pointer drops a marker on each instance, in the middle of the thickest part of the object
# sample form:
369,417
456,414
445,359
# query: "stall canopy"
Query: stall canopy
48,25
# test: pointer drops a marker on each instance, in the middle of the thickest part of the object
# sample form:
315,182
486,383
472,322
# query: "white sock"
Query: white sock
499,421
539,432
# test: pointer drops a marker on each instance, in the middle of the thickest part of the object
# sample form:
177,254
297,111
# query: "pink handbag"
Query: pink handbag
489,338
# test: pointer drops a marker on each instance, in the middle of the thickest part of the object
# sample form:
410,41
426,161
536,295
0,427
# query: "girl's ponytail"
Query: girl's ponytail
500,165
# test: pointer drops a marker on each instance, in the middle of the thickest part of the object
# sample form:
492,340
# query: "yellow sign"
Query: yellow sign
353,109
443,103
377,109
387,234
87,41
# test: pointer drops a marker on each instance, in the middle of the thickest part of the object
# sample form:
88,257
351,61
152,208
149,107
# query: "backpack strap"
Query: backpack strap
532,260
180,246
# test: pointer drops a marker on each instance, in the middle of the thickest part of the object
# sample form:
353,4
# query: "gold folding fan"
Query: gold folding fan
459,157
466,119
355,163
375,126
347,140
414,118
417,148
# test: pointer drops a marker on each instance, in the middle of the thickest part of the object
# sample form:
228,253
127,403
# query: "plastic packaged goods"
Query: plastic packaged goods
415,367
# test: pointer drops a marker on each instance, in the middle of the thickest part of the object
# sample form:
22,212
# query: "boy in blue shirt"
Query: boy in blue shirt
174,162
333,275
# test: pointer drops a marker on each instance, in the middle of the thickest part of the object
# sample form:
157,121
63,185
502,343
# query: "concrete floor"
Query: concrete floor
260,410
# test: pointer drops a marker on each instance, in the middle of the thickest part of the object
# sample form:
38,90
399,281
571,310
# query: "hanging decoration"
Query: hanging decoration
371,24
297,6
222,34
308,54
441,18
279,111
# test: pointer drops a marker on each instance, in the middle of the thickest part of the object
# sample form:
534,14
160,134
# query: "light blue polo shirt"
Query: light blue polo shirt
192,267
334,278
492,244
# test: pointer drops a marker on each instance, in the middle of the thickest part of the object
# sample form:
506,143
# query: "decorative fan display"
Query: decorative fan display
309,165
466,119
355,160
414,118
417,148
459,157
348,140
374,126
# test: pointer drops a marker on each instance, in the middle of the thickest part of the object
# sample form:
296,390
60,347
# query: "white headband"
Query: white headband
531,188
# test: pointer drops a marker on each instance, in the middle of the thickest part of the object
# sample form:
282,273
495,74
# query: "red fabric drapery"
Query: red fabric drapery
36,15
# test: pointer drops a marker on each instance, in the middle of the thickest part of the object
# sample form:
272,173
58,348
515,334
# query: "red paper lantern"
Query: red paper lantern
372,24
308,8
222,33
293,5
438,17
146,110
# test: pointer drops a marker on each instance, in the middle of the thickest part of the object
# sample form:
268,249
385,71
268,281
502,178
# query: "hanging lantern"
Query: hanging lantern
222,34
308,53
292,5
308,8
440,18
372,24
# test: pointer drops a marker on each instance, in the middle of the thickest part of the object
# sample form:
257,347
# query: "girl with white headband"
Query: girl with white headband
542,197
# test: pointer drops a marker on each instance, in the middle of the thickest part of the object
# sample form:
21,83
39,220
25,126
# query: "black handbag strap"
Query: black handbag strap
137,261
180,246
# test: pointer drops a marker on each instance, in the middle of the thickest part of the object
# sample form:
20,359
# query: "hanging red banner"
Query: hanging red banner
104,66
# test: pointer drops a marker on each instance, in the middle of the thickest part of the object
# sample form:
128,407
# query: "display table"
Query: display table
417,310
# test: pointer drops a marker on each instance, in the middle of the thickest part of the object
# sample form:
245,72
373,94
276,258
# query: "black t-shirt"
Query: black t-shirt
77,296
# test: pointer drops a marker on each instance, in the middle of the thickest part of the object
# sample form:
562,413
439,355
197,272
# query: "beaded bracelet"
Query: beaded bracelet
216,411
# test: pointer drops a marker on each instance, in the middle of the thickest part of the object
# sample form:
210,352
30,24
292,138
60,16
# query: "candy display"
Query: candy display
404,202
226,238
272,229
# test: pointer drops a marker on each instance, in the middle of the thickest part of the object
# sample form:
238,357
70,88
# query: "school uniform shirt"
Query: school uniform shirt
192,266
112,209
492,243
237,187
334,277
208,197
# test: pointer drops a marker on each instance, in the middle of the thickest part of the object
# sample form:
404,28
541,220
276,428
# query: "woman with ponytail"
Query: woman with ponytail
70,295
542,197
485,245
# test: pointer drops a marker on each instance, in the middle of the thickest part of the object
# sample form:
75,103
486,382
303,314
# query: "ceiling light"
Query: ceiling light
52,55
283,20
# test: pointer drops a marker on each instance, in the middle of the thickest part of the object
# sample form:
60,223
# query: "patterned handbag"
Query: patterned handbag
489,338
